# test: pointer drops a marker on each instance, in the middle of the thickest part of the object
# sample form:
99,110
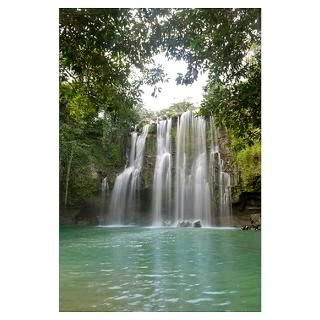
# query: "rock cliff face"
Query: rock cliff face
230,165
244,204
148,171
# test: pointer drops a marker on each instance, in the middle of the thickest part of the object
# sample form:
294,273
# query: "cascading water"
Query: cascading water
225,202
124,203
161,191
192,189
188,184
220,181
104,195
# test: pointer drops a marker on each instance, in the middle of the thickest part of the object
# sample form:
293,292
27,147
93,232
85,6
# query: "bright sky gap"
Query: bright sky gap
172,93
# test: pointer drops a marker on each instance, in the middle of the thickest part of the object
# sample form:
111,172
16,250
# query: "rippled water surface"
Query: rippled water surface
165,269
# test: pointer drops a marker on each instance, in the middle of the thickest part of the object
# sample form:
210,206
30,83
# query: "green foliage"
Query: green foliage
176,109
238,107
227,44
217,40
248,160
144,116
99,49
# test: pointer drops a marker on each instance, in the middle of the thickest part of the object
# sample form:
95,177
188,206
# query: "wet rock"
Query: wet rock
197,224
188,224
184,223
255,220
181,224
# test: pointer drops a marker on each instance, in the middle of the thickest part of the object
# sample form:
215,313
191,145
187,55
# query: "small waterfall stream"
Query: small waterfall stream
124,204
220,181
161,190
104,195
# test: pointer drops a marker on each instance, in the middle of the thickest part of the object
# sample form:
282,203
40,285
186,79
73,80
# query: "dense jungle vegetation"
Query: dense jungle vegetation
106,55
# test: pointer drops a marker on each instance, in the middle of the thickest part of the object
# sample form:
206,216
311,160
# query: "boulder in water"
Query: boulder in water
184,223
197,224
181,224
188,224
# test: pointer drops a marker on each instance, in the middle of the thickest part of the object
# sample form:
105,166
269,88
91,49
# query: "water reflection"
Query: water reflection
140,269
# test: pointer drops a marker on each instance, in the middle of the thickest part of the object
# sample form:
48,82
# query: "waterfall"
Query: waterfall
161,191
189,181
225,212
192,189
124,204
220,181
104,195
